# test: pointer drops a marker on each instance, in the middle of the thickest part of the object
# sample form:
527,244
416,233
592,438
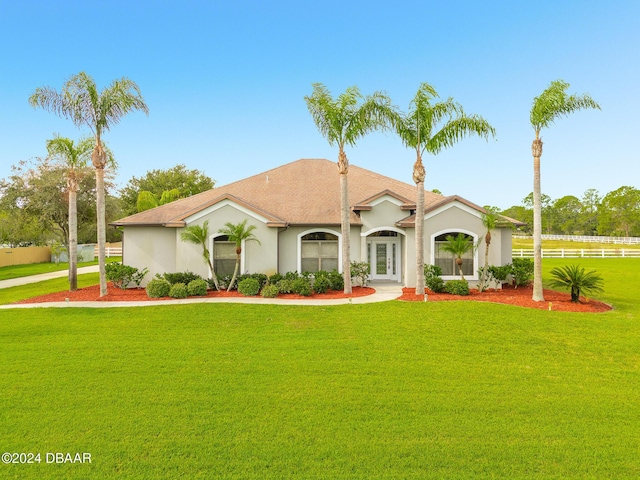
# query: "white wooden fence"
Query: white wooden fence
109,251
578,252
587,239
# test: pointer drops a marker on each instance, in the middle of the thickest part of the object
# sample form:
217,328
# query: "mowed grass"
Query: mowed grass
17,271
391,390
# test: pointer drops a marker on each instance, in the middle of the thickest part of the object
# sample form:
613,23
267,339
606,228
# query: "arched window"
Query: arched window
447,261
224,255
318,251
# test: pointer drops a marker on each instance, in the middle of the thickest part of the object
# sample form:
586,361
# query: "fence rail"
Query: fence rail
578,253
587,239
109,251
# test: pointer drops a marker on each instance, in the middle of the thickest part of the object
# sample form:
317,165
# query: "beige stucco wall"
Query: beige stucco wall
150,247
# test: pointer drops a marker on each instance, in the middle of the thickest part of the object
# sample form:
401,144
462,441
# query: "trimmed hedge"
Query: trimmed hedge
157,288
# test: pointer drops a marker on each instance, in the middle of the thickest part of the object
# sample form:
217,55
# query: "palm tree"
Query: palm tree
73,157
199,235
342,122
553,103
576,279
238,233
431,127
458,246
81,102
490,222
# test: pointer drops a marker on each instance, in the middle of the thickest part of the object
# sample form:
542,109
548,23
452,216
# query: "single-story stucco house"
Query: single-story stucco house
296,211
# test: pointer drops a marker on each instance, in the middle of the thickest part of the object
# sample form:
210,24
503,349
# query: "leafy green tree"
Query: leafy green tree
576,280
147,200
550,105
431,126
591,200
186,182
620,212
86,106
490,221
73,158
238,233
458,246
199,235
565,216
343,121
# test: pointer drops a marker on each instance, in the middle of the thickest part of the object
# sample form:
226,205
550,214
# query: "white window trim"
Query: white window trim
432,256
316,230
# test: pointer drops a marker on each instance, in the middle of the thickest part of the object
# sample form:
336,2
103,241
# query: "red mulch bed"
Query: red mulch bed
139,294
520,296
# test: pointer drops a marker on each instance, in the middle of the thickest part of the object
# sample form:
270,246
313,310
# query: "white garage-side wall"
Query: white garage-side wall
150,247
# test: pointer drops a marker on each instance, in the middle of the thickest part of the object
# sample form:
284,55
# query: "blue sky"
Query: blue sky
225,83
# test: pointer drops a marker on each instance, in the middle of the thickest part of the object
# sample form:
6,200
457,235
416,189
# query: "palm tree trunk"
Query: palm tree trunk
418,177
235,273
487,242
99,160
536,150
73,235
343,168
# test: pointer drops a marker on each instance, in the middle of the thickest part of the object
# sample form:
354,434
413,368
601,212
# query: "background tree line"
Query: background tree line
34,200
615,214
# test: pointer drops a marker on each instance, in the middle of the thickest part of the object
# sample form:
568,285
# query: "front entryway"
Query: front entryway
384,259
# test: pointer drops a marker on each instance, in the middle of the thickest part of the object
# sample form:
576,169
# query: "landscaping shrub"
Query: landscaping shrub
577,280
157,288
301,286
285,286
336,280
181,277
269,291
500,274
249,287
197,288
457,287
291,276
432,278
522,271
122,275
178,290
321,284
224,280
275,278
360,271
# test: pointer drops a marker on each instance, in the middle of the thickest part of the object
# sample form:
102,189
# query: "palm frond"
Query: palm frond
554,103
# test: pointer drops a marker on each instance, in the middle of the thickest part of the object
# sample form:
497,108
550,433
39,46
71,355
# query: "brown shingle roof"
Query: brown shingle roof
304,192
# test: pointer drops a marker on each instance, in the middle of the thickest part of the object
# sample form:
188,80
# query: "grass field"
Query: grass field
392,390
17,271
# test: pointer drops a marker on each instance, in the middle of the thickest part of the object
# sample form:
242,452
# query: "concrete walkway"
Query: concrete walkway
384,292
16,282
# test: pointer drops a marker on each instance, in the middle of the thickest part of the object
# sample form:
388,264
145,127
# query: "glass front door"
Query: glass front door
384,260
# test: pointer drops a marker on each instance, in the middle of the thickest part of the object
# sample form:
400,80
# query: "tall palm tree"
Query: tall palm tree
458,246
552,104
342,121
238,233
199,235
431,126
490,222
82,103
73,157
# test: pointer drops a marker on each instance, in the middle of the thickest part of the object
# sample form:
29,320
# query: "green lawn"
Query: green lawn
392,390
17,271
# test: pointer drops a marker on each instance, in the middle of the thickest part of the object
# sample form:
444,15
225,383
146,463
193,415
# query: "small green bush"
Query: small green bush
275,278
285,286
178,290
269,291
197,288
249,287
360,271
522,271
457,287
181,277
157,288
321,285
291,276
500,274
432,278
336,280
122,275
301,286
